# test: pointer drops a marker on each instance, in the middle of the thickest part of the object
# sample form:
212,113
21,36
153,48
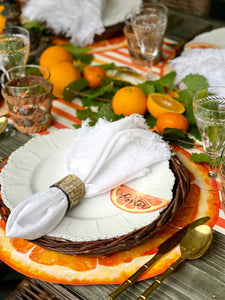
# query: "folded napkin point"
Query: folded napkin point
37,215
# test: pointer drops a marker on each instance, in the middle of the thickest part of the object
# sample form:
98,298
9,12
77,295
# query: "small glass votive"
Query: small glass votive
222,178
28,93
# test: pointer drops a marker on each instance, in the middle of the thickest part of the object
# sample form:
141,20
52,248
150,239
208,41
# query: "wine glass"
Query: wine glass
209,112
14,51
14,47
149,26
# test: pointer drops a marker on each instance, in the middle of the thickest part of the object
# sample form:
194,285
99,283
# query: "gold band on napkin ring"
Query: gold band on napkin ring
73,188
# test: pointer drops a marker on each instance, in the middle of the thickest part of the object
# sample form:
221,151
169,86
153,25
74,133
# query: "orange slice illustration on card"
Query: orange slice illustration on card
133,201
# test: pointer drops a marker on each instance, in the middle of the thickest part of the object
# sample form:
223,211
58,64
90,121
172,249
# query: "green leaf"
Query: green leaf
150,120
174,133
90,102
147,87
106,112
193,130
203,158
84,114
110,66
103,112
77,126
117,83
195,82
79,53
74,49
77,85
159,87
167,80
186,97
100,92
35,26
178,137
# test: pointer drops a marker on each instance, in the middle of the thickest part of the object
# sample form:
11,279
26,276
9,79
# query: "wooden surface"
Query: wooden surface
183,26
199,279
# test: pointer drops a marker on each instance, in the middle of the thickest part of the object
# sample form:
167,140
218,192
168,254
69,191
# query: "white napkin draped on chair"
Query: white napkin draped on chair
80,19
103,157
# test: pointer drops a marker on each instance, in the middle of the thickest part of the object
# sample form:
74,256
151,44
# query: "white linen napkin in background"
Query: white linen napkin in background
103,157
79,20
207,62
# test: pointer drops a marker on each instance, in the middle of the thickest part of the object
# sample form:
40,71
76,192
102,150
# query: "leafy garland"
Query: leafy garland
101,99
90,97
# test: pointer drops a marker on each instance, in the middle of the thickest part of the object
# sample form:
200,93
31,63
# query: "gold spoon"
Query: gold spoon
3,123
195,243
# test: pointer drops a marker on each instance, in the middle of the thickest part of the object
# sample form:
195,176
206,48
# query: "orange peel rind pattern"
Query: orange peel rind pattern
34,261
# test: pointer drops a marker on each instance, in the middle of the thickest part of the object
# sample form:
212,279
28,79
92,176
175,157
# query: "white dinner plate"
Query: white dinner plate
214,39
40,163
114,11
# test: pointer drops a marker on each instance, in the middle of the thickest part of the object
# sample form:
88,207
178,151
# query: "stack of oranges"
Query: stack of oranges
168,112
59,62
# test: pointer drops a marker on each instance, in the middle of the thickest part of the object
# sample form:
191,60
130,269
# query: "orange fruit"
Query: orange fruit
159,104
2,19
172,120
54,55
61,75
136,202
129,100
94,75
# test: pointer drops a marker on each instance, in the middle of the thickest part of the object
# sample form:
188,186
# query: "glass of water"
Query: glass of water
149,25
14,47
209,112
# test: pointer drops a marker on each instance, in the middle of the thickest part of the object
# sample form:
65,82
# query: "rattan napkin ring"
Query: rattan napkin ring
73,188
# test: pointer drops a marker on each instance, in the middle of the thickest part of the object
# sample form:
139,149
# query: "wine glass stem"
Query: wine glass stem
213,168
149,68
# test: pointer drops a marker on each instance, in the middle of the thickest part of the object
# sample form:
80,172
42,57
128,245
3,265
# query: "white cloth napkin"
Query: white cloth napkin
79,20
103,157
207,62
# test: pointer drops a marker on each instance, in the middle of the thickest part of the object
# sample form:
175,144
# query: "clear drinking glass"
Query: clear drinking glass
28,93
149,25
209,112
14,47
14,51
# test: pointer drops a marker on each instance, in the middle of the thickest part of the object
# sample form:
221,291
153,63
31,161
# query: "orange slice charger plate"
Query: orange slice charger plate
34,261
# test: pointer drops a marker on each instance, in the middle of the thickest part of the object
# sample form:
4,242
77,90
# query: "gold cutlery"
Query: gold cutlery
164,248
194,244
3,123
